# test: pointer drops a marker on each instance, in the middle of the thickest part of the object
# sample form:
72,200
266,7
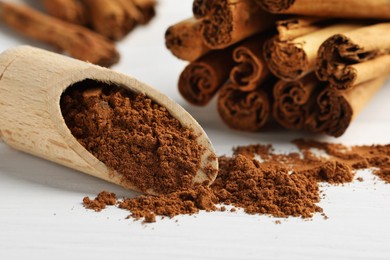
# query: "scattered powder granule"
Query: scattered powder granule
103,199
150,218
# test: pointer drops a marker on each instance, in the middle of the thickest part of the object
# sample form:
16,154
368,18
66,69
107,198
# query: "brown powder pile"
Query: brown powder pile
242,182
332,170
357,157
187,201
103,199
280,185
246,183
132,135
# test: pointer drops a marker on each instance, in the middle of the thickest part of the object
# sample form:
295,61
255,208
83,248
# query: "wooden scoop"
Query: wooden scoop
31,84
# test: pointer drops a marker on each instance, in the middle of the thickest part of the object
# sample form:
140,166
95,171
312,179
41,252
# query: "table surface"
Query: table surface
41,215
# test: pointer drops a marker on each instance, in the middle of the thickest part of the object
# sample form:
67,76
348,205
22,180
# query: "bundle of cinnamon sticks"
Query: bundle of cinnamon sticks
299,62
83,29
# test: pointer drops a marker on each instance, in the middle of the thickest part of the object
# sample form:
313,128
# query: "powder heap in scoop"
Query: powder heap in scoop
280,185
132,135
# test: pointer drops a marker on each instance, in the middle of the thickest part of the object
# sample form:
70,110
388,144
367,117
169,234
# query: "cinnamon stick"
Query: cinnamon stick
72,11
347,59
115,18
226,22
75,40
147,9
335,110
291,28
293,59
243,110
201,8
201,79
250,68
184,40
377,9
293,101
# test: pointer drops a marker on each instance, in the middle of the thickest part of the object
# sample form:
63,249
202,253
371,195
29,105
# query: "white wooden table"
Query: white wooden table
41,216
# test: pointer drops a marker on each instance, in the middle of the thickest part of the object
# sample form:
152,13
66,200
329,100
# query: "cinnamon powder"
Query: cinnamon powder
103,199
280,185
376,157
263,189
132,135
148,147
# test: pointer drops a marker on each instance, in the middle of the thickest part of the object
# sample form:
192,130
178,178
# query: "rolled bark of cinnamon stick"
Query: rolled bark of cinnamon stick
293,59
378,9
184,40
147,9
226,22
243,110
77,41
72,11
200,8
351,58
294,27
132,12
114,19
201,79
293,101
250,68
337,109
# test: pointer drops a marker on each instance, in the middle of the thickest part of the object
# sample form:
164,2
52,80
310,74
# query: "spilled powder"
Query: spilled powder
103,199
376,157
188,201
132,135
281,185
